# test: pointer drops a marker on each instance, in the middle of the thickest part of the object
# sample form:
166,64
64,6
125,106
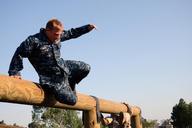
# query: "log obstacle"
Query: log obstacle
13,90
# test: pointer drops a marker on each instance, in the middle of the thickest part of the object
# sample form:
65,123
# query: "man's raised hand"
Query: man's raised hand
92,26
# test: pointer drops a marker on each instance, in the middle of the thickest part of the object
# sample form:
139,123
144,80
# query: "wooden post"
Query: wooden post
90,119
137,118
138,122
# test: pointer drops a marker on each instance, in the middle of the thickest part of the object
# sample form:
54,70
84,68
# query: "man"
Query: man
43,52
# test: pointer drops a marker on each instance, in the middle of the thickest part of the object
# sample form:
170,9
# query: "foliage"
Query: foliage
57,118
149,123
166,123
182,115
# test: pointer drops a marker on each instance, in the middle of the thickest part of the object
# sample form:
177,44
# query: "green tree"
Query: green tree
149,123
57,118
182,115
190,113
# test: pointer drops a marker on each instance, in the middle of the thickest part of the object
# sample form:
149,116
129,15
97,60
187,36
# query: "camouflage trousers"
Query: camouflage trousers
63,88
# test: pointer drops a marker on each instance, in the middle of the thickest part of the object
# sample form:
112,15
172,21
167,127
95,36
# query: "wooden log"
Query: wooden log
13,90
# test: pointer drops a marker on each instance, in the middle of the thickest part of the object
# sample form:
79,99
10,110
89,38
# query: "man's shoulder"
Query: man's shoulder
38,37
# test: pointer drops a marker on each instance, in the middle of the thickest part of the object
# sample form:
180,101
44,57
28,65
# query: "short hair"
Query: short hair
54,23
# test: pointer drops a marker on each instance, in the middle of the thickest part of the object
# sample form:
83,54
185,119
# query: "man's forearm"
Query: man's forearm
77,32
16,64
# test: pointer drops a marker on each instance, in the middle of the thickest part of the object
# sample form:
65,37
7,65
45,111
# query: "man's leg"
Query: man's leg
61,90
64,94
77,71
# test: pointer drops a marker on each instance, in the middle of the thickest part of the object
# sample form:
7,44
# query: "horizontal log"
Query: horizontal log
13,90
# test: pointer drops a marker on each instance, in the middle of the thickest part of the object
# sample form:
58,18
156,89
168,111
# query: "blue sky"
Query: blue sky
141,53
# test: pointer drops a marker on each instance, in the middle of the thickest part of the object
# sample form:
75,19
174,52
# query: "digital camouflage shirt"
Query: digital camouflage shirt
43,55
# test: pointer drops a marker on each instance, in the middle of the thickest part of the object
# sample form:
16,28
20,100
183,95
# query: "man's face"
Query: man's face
54,34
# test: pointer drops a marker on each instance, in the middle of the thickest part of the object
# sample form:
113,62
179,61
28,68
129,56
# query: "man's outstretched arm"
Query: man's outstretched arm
76,32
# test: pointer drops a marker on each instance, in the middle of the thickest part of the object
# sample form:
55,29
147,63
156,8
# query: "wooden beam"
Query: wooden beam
26,92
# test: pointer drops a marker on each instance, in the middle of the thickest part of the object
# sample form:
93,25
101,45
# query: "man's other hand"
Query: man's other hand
16,76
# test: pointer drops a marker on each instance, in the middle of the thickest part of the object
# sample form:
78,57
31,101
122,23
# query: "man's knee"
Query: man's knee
87,68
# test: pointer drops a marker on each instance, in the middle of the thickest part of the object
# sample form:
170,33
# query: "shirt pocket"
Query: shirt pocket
45,51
